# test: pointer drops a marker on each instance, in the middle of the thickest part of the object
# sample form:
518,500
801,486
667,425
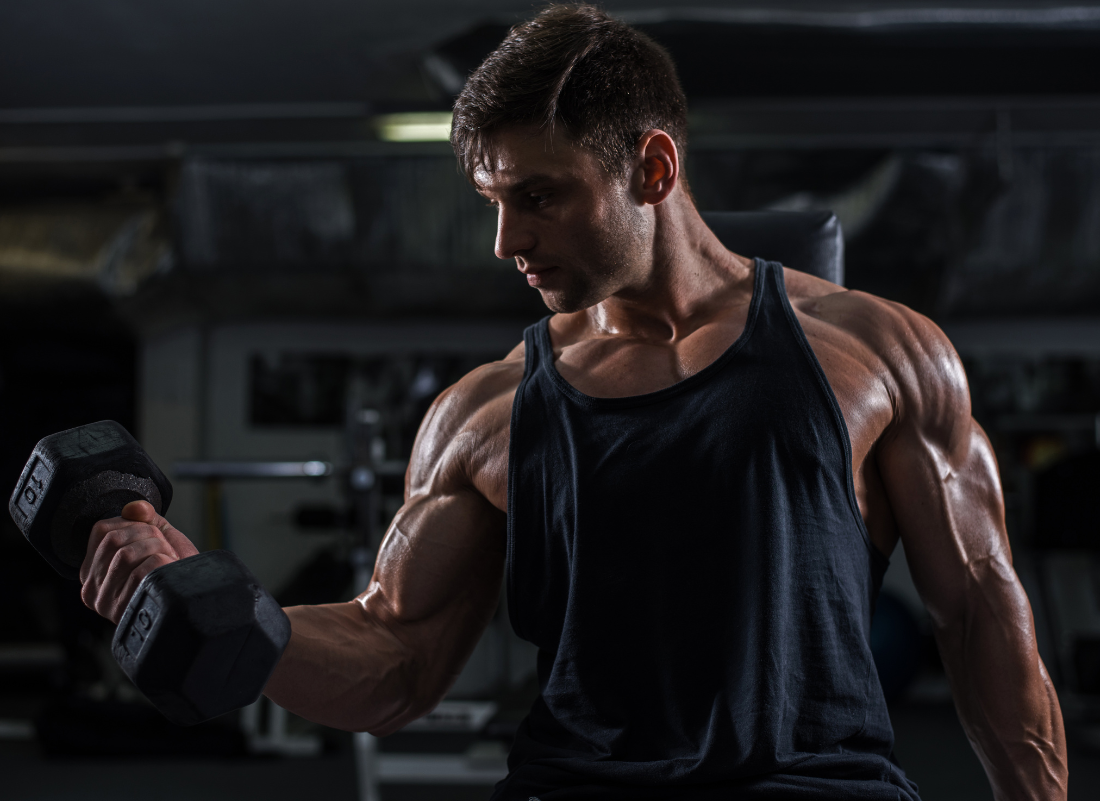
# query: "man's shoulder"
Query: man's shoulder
493,377
463,439
889,328
914,357
480,401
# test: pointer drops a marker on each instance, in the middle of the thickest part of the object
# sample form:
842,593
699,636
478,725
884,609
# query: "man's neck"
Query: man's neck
692,279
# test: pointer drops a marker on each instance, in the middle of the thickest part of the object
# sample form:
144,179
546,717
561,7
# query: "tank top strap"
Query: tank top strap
538,350
771,299
774,288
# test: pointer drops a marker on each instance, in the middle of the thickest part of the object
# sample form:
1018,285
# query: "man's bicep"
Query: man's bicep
446,545
439,570
436,584
440,549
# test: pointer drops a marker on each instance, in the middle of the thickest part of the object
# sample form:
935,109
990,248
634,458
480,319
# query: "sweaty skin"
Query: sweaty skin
646,296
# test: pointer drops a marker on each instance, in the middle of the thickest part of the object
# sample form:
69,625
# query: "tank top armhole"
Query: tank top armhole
839,425
531,359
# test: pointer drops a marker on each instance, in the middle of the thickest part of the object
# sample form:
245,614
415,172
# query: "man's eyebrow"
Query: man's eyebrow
525,184
529,181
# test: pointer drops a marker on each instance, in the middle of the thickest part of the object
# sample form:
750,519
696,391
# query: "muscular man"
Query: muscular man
691,475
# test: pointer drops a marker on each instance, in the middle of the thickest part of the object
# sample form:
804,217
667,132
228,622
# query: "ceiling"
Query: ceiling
64,54
113,101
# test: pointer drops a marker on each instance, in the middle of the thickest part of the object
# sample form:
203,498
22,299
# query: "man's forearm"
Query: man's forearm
344,670
1005,698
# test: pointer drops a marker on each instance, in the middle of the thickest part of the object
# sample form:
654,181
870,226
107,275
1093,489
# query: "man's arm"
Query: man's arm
942,482
389,656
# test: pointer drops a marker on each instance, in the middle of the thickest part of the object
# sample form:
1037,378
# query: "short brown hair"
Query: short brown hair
603,81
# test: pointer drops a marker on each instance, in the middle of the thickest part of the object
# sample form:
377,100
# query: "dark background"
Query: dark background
210,163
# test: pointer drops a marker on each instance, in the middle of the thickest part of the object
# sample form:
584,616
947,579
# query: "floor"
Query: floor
930,746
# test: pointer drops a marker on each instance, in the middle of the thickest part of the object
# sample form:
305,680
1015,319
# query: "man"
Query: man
691,472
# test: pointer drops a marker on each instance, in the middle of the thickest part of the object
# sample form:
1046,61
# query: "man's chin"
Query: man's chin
563,303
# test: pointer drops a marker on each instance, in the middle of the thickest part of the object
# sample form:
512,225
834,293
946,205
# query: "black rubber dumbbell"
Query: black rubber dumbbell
200,636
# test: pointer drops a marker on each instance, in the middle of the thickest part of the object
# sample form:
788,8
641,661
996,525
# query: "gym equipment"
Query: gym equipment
76,478
200,637
809,241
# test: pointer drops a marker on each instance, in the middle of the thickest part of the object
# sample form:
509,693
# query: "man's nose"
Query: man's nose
513,236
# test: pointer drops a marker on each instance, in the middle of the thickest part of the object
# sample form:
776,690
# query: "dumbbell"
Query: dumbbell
200,636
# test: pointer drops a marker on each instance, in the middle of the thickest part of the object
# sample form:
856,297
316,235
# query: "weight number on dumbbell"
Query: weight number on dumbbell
33,489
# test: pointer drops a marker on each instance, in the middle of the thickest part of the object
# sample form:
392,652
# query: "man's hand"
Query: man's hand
124,550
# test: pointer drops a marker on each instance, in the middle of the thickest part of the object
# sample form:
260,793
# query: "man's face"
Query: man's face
575,232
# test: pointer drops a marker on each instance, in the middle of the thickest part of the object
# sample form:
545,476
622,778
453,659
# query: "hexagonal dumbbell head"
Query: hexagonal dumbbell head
76,478
201,637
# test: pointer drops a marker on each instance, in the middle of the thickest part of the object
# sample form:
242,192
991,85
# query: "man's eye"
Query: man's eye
539,199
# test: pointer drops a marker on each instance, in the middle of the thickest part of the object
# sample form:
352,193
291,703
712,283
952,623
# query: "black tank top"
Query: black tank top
695,572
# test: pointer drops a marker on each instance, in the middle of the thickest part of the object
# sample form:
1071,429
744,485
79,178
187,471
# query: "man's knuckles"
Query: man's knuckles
103,527
144,568
119,538
108,531
133,554
121,551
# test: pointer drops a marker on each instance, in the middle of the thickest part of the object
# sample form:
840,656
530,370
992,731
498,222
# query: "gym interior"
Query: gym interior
238,230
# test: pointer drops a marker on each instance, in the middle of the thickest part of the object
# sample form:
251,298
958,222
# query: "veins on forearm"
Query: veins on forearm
1003,695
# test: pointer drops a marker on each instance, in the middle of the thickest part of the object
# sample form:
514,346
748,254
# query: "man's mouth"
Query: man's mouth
536,276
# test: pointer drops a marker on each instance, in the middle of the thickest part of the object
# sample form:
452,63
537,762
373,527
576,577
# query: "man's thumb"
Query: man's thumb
139,512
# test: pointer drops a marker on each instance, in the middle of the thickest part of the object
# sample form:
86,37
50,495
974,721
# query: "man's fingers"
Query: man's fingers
120,547
128,557
118,569
143,511
156,526
112,597
99,531
122,551
110,540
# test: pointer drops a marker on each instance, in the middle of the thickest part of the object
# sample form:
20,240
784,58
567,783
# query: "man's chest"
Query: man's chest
609,367
617,369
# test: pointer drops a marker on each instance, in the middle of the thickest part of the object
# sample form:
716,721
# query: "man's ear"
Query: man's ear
658,167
